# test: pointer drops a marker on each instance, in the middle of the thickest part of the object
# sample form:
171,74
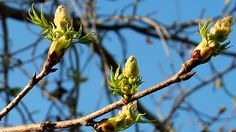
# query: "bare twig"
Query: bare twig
181,98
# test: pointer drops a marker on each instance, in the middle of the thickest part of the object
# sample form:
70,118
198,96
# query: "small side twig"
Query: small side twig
47,68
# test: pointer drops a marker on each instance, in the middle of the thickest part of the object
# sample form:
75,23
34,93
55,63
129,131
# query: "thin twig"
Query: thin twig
47,68
5,60
181,98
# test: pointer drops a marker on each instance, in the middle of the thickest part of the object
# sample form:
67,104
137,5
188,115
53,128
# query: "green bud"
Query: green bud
125,118
127,83
61,33
62,19
131,67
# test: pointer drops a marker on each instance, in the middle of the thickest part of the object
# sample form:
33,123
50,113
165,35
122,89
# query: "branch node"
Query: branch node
186,76
47,125
33,80
91,123
34,76
125,101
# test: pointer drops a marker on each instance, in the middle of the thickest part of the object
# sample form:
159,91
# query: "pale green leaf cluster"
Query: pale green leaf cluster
42,22
203,29
211,44
209,41
54,31
127,117
61,32
127,83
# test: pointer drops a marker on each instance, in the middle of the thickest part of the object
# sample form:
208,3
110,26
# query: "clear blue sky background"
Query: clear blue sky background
149,57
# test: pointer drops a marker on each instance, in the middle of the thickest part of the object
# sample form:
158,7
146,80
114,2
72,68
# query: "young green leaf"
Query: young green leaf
89,38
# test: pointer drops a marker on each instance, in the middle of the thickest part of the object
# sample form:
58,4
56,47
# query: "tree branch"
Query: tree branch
183,74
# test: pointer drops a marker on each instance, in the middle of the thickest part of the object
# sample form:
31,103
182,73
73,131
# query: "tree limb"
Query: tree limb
183,74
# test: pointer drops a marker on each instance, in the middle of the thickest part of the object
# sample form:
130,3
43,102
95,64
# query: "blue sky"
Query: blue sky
150,59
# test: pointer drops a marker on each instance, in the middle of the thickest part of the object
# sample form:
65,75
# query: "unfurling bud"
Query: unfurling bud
127,83
62,39
211,41
124,119
62,19
221,29
61,32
